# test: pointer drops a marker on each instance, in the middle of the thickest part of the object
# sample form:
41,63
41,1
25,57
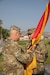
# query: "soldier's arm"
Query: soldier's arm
43,47
44,50
24,57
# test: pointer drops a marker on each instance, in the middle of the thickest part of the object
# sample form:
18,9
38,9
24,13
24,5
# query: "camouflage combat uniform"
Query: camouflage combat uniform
41,56
41,53
14,57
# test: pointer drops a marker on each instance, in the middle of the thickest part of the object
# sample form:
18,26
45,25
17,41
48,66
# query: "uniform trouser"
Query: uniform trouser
13,70
40,70
39,74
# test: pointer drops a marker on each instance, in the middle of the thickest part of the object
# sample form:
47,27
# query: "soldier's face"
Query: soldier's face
15,35
30,36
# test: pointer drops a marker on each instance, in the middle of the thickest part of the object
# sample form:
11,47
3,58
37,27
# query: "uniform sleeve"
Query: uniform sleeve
41,52
44,50
23,57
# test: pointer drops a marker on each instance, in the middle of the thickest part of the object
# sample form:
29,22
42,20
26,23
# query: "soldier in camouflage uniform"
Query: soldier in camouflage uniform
41,54
13,55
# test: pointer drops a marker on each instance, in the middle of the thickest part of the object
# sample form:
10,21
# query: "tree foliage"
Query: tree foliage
0,28
5,33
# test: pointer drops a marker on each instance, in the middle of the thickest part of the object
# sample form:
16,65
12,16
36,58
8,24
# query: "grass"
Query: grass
23,43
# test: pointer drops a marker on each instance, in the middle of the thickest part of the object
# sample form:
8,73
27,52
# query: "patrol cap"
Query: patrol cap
15,28
30,31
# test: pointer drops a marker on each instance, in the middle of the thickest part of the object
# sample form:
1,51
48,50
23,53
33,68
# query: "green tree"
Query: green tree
5,33
0,29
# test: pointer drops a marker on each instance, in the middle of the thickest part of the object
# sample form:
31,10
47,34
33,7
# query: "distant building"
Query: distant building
46,35
24,38
24,35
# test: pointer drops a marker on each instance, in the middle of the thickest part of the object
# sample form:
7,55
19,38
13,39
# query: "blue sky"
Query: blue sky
22,13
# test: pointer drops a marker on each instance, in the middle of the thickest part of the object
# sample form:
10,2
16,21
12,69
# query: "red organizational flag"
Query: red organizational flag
41,25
